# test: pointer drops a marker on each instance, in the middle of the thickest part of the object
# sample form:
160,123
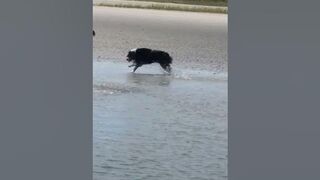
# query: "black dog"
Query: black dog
141,56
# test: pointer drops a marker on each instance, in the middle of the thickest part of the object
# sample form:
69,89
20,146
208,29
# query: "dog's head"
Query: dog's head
131,55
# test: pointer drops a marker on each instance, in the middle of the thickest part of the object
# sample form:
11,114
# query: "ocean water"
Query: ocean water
152,125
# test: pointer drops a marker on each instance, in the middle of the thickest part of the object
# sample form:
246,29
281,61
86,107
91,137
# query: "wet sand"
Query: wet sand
151,125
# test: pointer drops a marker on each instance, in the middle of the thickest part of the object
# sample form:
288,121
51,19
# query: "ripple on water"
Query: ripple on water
114,88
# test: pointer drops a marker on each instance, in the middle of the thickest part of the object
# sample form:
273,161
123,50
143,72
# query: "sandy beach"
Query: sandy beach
195,40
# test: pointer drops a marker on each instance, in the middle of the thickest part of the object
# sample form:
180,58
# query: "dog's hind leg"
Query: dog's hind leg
166,67
169,69
136,67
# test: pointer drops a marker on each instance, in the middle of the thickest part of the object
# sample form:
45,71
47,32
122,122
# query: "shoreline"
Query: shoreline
161,6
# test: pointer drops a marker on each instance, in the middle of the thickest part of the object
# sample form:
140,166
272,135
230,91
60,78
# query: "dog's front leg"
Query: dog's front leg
131,65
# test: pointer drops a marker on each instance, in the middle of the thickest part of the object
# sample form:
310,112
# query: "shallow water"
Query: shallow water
151,125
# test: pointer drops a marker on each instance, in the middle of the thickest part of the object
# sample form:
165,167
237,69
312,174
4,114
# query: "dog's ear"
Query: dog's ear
132,54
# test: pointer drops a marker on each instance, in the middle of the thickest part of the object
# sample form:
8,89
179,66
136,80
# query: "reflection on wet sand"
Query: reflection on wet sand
149,79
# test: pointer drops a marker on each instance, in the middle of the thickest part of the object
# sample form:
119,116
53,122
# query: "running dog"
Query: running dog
142,56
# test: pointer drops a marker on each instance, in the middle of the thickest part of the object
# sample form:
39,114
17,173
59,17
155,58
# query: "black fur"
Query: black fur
141,56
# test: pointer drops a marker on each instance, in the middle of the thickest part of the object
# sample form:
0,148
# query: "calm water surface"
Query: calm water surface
150,125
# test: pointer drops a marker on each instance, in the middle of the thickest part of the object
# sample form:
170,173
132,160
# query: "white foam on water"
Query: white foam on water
111,71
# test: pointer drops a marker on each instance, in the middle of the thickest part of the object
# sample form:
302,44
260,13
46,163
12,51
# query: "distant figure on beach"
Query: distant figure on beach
94,33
